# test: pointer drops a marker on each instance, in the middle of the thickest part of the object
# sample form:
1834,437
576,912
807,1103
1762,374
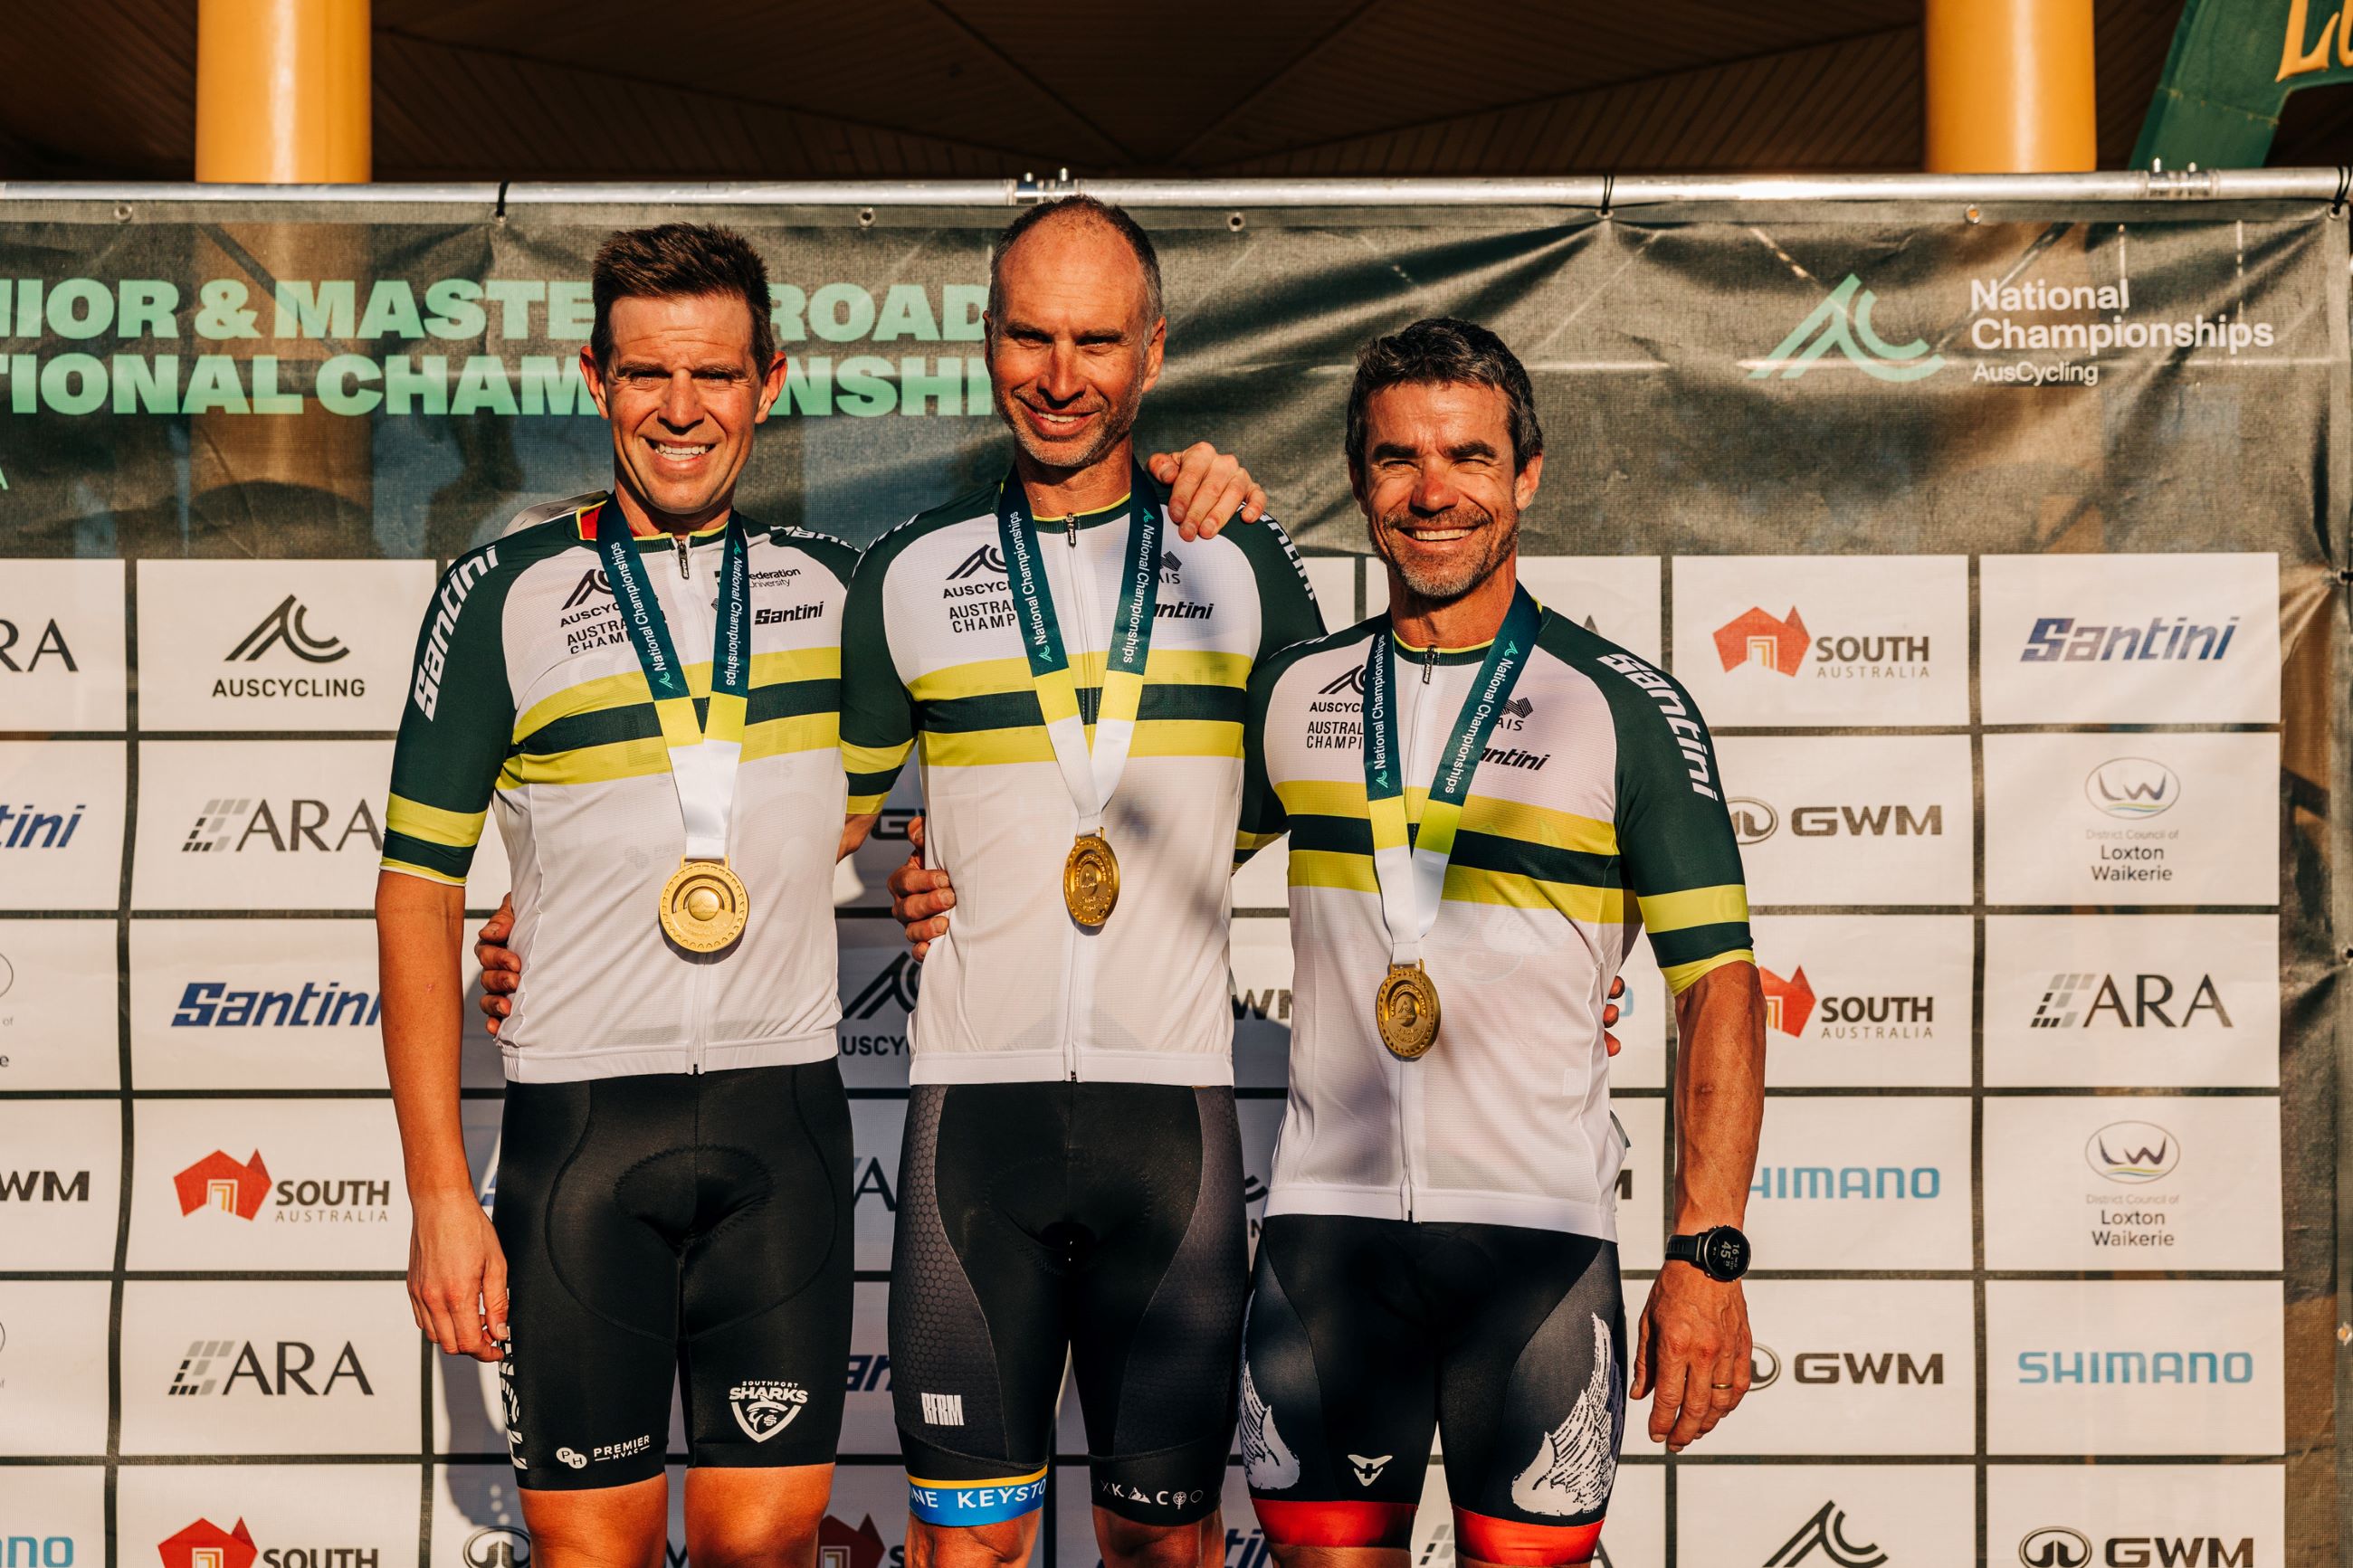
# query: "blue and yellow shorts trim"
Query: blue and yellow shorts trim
977,1502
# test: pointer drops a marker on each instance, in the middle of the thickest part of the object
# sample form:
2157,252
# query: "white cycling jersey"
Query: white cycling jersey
528,697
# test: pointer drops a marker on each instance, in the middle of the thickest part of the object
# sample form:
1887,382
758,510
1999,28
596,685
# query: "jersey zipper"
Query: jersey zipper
683,574
698,1033
1080,639
1408,1089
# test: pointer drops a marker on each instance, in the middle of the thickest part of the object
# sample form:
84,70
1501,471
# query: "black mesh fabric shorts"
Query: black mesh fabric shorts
1102,1222
1368,1335
686,1226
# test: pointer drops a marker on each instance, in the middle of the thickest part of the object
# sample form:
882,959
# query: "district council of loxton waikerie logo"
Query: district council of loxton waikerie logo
1843,321
218,1181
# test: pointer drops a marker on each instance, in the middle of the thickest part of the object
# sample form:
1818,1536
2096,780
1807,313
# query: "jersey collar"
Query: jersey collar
585,522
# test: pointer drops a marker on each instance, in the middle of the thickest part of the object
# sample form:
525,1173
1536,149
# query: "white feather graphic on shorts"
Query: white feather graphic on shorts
1266,1463
1576,1461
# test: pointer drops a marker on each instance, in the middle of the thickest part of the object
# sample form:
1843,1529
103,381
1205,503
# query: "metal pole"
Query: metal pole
2010,85
1626,191
282,91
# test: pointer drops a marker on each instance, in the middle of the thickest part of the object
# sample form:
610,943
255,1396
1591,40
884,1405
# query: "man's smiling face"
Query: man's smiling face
1439,487
682,394
1073,353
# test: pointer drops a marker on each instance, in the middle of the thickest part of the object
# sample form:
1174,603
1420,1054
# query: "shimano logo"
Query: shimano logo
283,627
2105,1366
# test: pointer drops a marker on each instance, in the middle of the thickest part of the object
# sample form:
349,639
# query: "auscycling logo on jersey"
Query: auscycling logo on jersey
1842,322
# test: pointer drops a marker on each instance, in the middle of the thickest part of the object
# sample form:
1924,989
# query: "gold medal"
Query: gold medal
1405,1010
703,906
1091,879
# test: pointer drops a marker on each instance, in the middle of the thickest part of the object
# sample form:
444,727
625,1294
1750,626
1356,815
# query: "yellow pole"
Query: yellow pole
282,91
2009,86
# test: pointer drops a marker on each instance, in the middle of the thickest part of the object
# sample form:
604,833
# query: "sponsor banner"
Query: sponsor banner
2132,819
2136,1516
477,1517
269,1516
1862,1183
2128,1001
60,1183
1260,972
55,1516
278,645
227,1366
1882,819
61,812
56,1029
2133,1366
62,646
53,1343
1880,1366
880,980
1645,1020
868,1425
875,1126
1635,1534
865,1523
1614,595
282,1185
2129,639
274,825
1824,639
1826,1516
2132,1182
264,1004
1865,999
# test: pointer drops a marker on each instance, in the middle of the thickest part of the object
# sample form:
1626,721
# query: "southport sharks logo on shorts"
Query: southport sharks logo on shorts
764,1408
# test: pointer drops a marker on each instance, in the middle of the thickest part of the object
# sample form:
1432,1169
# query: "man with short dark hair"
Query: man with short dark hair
1520,801
647,685
1074,668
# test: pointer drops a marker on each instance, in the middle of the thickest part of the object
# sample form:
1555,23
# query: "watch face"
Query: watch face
1724,1253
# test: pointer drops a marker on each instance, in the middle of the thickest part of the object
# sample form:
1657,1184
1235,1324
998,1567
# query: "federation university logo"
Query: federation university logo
1842,322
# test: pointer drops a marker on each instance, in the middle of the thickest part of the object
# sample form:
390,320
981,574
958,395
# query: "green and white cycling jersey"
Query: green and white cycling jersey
1595,812
528,697
1017,990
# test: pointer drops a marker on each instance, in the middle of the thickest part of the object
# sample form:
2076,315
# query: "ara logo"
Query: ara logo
50,644
1352,682
1788,1003
2077,1000
285,626
839,1546
204,1544
218,1181
285,827
1843,321
220,1366
764,1407
1824,1538
987,559
2133,787
896,987
1368,1467
592,584
2133,1151
1774,643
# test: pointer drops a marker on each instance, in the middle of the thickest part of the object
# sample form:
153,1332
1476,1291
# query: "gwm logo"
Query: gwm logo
1775,643
218,1181
1842,322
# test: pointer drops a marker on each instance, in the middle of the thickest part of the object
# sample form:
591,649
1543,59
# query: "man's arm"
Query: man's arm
1693,1344
457,1274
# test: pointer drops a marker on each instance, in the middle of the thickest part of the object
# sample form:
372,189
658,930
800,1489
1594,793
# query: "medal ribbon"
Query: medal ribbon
1091,779
703,753
1411,871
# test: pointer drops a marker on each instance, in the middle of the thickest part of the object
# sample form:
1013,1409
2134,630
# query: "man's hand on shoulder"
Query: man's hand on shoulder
921,896
1206,489
502,967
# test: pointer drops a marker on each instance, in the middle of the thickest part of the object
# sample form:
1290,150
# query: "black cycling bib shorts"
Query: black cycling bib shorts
1367,1334
693,1226
1102,1222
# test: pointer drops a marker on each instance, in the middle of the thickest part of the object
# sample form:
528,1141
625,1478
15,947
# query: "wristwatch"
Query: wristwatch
1720,1252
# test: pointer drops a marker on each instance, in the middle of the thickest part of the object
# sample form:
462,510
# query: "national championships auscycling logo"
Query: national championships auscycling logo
1842,322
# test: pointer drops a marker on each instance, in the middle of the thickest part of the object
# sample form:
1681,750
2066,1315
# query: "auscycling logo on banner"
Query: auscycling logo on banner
2006,315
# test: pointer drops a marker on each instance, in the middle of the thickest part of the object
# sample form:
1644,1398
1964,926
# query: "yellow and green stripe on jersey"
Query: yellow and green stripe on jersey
1666,855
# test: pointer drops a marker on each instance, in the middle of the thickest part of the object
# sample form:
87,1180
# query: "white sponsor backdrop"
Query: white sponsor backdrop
2018,1197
